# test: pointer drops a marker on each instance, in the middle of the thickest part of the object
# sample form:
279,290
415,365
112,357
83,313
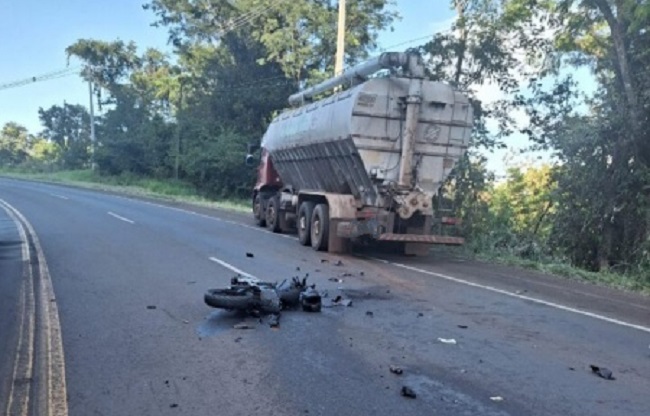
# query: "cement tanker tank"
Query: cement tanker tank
363,164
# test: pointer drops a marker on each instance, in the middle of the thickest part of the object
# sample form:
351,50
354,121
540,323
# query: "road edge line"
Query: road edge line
517,295
57,402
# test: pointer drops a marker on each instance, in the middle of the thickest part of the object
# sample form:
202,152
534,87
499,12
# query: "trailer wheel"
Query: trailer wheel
320,226
303,223
258,211
273,214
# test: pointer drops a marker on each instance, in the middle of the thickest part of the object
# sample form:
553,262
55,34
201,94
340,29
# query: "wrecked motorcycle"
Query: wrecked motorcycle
251,295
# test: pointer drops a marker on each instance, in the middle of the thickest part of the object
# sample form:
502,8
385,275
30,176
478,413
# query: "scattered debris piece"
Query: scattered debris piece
450,341
297,268
369,313
151,306
519,292
361,274
408,392
420,315
338,263
274,320
346,274
602,372
191,282
167,382
250,255
335,279
238,339
572,369
317,270
243,325
462,326
311,300
496,398
337,299
185,321
395,369
173,405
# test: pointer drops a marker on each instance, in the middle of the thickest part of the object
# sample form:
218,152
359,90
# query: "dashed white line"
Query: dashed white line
59,196
233,268
119,217
518,296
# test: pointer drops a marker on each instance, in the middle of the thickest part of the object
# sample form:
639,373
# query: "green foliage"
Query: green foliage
14,144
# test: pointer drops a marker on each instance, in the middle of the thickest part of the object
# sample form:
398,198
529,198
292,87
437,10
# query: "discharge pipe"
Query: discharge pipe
386,60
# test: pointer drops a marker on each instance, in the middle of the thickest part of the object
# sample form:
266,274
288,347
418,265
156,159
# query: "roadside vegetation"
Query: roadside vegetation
178,125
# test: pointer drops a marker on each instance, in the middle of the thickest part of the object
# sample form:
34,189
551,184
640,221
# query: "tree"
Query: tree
300,35
68,126
14,144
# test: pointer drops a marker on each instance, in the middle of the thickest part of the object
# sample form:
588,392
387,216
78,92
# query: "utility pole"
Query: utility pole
92,125
340,40
178,130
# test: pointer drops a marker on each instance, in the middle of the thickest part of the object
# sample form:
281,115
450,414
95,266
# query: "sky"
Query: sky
35,34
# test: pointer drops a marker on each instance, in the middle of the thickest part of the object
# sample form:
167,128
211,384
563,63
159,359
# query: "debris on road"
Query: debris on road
369,313
250,255
243,325
496,398
238,339
449,341
602,372
338,263
361,273
311,300
274,320
297,268
462,326
396,370
420,315
346,274
151,306
324,261
408,392
335,279
191,282
173,405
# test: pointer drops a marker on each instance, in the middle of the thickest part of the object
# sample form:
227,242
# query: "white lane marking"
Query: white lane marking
119,217
57,401
518,296
24,358
59,196
233,268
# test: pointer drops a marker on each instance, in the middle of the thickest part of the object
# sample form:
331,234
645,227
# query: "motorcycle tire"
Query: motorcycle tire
230,299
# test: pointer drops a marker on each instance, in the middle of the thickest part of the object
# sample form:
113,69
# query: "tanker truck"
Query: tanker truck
365,163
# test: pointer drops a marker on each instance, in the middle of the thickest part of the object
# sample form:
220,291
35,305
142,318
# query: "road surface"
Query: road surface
128,278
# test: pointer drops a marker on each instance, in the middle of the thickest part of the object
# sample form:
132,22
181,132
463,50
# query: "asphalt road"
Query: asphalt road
524,337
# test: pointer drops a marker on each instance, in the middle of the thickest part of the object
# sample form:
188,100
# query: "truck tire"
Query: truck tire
258,211
230,299
320,227
303,222
273,214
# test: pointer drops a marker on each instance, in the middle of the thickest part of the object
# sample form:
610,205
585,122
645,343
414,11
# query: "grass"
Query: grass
168,190
630,282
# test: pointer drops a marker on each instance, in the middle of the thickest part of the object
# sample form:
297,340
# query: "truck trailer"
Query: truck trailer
363,164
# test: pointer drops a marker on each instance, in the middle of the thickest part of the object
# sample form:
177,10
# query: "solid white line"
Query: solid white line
518,296
59,196
57,402
233,268
119,217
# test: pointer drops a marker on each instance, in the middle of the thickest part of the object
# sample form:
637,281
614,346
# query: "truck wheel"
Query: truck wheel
303,223
320,226
273,214
258,211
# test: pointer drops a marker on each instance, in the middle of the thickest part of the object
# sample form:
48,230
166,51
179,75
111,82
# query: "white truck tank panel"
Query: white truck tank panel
351,142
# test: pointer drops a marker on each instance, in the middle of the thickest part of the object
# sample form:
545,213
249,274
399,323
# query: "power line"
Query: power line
44,77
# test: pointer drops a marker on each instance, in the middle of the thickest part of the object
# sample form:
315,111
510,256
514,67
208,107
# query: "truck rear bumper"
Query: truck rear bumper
422,239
